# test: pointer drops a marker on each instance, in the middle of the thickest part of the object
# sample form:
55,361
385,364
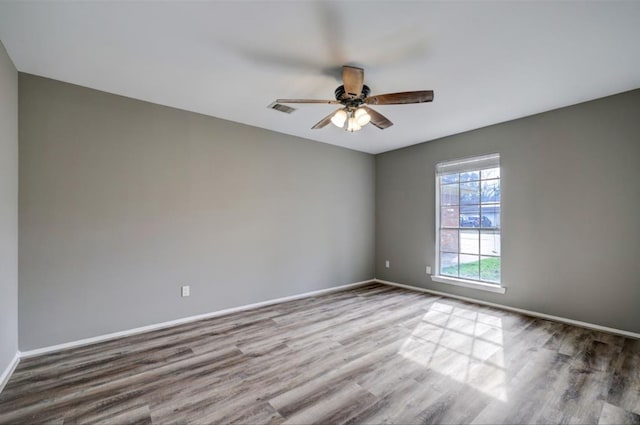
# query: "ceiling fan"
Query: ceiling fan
354,97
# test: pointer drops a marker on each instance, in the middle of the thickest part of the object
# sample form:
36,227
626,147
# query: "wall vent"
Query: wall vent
282,108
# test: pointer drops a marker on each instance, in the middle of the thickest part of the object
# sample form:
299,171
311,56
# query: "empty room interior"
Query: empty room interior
319,212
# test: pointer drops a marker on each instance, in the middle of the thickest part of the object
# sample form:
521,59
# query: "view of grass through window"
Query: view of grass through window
469,219
489,269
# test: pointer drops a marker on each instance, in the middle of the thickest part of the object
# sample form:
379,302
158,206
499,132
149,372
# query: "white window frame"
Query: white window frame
459,165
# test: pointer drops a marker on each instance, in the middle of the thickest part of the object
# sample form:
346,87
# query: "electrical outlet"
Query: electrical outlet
428,269
387,264
185,290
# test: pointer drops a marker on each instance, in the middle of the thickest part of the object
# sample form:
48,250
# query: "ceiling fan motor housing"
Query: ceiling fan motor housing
348,100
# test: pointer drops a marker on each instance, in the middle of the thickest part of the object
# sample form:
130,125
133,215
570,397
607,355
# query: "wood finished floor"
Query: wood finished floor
374,354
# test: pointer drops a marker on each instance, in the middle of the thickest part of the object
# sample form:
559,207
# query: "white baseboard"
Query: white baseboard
517,310
155,326
4,378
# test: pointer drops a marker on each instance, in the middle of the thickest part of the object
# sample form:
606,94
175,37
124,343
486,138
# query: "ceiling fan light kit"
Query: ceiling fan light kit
353,95
354,118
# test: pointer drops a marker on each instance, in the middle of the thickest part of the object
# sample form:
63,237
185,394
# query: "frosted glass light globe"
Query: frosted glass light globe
362,117
352,125
339,118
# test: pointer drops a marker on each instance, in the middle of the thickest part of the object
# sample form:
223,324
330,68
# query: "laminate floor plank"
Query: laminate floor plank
612,415
142,383
371,354
337,406
625,386
402,405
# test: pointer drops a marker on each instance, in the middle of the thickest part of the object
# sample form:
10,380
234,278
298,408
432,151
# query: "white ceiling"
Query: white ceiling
487,62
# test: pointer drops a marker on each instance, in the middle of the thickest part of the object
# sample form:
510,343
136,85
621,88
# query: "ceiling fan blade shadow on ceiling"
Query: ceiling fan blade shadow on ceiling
333,31
353,94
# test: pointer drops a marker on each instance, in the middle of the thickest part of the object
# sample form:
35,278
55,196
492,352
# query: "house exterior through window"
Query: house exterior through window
468,219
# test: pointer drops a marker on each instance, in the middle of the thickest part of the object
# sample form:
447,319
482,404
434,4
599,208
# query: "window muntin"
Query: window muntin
468,208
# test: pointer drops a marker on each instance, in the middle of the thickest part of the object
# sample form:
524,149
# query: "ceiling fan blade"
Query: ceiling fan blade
377,118
353,80
400,98
331,102
324,121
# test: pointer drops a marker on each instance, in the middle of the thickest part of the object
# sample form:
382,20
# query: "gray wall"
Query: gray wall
571,211
123,201
8,209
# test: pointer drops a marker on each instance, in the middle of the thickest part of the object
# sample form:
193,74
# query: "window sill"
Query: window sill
470,284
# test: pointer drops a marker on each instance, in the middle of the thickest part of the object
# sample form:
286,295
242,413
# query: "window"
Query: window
468,221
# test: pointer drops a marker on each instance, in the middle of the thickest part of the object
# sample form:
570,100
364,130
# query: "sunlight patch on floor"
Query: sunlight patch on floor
461,344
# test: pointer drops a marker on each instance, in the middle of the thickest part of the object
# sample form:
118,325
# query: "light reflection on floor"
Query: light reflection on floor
460,344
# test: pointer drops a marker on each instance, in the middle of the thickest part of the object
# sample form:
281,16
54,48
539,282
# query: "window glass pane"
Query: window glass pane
490,269
449,178
485,222
470,216
490,191
469,175
490,217
470,193
449,240
490,173
469,242
449,216
469,235
449,194
470,267
489,243
449,264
